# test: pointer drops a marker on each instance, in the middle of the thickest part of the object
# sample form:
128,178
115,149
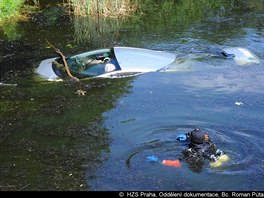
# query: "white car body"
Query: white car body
133,61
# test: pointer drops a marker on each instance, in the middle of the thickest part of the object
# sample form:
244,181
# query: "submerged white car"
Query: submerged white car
125,61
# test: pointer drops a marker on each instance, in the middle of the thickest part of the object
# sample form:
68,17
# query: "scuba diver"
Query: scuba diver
200,148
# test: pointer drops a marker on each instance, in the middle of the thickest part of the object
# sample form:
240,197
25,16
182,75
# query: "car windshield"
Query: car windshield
94,63
88,67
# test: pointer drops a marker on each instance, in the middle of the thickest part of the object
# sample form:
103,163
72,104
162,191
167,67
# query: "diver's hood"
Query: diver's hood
197,136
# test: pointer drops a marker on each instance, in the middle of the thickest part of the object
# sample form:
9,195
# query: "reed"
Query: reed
103,7
97,32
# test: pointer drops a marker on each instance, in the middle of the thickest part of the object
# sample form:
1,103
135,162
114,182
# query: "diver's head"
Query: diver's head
197,136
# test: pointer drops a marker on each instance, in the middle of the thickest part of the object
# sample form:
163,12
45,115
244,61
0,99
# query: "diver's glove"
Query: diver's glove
213,158
218,152
182,137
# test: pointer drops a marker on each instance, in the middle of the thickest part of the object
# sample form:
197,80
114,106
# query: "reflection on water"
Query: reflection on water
145,121
163,105
232,80
96,31
203,94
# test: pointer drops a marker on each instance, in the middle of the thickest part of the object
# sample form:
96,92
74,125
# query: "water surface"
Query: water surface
200,93
50,137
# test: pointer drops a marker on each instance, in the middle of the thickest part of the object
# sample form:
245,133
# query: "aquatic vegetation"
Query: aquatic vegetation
49,137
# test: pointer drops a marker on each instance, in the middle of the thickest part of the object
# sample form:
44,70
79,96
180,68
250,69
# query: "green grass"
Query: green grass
10,8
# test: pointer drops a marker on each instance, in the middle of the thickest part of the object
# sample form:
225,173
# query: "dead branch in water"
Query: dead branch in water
63,59
79,92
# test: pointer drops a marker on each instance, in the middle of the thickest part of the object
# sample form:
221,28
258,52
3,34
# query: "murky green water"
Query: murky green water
53,140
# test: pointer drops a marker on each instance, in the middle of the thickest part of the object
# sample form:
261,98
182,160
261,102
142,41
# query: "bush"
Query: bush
9,8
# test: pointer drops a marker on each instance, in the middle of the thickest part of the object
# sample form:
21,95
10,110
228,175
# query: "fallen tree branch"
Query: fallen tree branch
79,92
23,187
65,63
63,59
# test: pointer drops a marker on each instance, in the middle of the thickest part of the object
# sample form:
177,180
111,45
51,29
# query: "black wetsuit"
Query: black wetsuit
200,149
204,150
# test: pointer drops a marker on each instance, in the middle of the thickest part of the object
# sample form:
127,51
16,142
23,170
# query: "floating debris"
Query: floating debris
152,158
7,84
238,103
